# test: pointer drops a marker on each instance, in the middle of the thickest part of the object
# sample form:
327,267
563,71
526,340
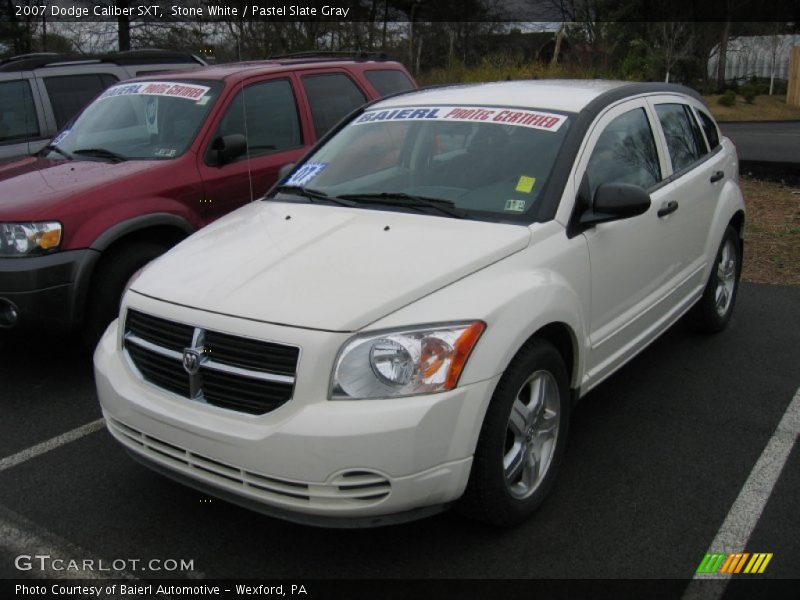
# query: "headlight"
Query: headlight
29,239
405,362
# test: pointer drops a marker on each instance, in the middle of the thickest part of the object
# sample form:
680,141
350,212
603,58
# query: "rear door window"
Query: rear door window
331,96
389,81
684,141
70,93
18,120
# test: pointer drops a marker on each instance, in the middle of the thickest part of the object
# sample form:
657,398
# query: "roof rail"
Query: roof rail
334,55
27,62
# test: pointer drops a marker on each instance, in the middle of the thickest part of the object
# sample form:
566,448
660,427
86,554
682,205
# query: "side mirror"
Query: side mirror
285,170
228,148
615,201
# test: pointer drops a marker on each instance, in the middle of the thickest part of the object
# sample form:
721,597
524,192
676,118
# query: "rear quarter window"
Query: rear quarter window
710,129
389,81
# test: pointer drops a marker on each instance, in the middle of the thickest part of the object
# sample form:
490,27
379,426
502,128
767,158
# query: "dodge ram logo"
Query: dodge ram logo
191,361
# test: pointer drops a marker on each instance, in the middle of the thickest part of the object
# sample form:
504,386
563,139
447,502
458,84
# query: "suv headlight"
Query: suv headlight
29,239
403,362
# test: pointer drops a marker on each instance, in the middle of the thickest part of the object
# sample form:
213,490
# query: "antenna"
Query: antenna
247,138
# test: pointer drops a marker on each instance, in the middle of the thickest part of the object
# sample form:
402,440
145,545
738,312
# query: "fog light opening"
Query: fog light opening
9,315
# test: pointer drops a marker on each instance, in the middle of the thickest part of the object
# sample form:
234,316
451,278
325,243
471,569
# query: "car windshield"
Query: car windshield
139,120
470,161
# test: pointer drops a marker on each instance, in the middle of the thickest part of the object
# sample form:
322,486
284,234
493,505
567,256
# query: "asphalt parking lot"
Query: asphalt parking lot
657,457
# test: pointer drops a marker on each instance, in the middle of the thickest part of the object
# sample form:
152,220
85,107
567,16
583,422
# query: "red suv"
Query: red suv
151,160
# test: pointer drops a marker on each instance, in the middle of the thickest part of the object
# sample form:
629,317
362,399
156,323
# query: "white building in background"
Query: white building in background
759,55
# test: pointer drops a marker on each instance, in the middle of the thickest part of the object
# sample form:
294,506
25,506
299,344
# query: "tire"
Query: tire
505,486
108,283
713,311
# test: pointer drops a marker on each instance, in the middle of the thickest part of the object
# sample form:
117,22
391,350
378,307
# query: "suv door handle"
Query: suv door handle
717,175
667,208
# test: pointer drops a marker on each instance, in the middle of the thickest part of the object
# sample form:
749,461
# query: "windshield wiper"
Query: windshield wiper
56,149
402,199
100,153
312,194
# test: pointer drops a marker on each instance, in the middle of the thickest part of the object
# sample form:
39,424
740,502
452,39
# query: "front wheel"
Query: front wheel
522,440
110,278
713,311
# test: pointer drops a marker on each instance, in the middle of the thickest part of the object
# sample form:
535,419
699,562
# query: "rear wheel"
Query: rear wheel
522,440
714,309
108,283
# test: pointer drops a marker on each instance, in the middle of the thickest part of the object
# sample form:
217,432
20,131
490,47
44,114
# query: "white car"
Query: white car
406,321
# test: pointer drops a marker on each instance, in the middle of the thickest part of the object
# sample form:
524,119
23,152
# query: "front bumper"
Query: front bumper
331,463
44,289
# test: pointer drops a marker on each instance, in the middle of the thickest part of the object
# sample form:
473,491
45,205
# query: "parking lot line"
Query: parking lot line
746,510
35,549
51,444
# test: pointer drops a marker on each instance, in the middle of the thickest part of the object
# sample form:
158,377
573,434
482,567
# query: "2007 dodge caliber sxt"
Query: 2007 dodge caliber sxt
405,321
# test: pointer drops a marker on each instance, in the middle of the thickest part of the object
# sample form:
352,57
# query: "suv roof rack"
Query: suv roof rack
27,62
334,55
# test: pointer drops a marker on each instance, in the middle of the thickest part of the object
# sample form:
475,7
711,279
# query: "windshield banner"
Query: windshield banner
502,116
189,91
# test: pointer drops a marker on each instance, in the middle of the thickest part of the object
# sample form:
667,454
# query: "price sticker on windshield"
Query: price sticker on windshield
306,173
170,89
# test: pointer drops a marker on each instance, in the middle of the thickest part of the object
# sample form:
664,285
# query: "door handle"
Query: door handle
717,175
668,208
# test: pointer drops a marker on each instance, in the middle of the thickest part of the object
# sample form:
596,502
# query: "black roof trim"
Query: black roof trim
28,62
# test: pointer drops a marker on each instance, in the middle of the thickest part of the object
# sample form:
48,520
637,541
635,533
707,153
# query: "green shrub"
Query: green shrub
728,98
749,93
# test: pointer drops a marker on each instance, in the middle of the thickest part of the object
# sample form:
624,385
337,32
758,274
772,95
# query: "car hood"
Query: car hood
33,183
323,267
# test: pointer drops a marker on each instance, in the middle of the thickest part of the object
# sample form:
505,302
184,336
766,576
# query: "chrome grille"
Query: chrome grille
229,371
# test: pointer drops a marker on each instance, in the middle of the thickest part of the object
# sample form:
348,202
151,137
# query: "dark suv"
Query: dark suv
151,160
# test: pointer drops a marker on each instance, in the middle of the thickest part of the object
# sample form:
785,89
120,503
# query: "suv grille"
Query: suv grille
225,370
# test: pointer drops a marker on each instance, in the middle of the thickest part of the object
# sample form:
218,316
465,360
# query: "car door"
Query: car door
694,182
633,264
266,113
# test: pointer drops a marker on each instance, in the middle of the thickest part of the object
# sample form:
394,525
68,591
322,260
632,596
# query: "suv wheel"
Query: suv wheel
714,309
522,440
108,283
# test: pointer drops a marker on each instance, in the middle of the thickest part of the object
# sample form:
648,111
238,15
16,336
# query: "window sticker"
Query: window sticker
504,116
515,205
525,184
151,115
60,137
306,173
187,91
165,152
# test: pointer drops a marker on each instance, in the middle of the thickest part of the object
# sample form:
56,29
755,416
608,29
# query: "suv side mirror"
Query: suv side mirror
228,148
615,201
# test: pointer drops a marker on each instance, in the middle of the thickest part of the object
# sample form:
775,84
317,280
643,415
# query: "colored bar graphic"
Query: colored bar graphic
734,563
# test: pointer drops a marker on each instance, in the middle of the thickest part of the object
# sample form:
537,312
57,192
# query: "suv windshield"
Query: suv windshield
476,161
144,120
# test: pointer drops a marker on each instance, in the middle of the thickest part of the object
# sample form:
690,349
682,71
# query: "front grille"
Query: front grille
237,373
